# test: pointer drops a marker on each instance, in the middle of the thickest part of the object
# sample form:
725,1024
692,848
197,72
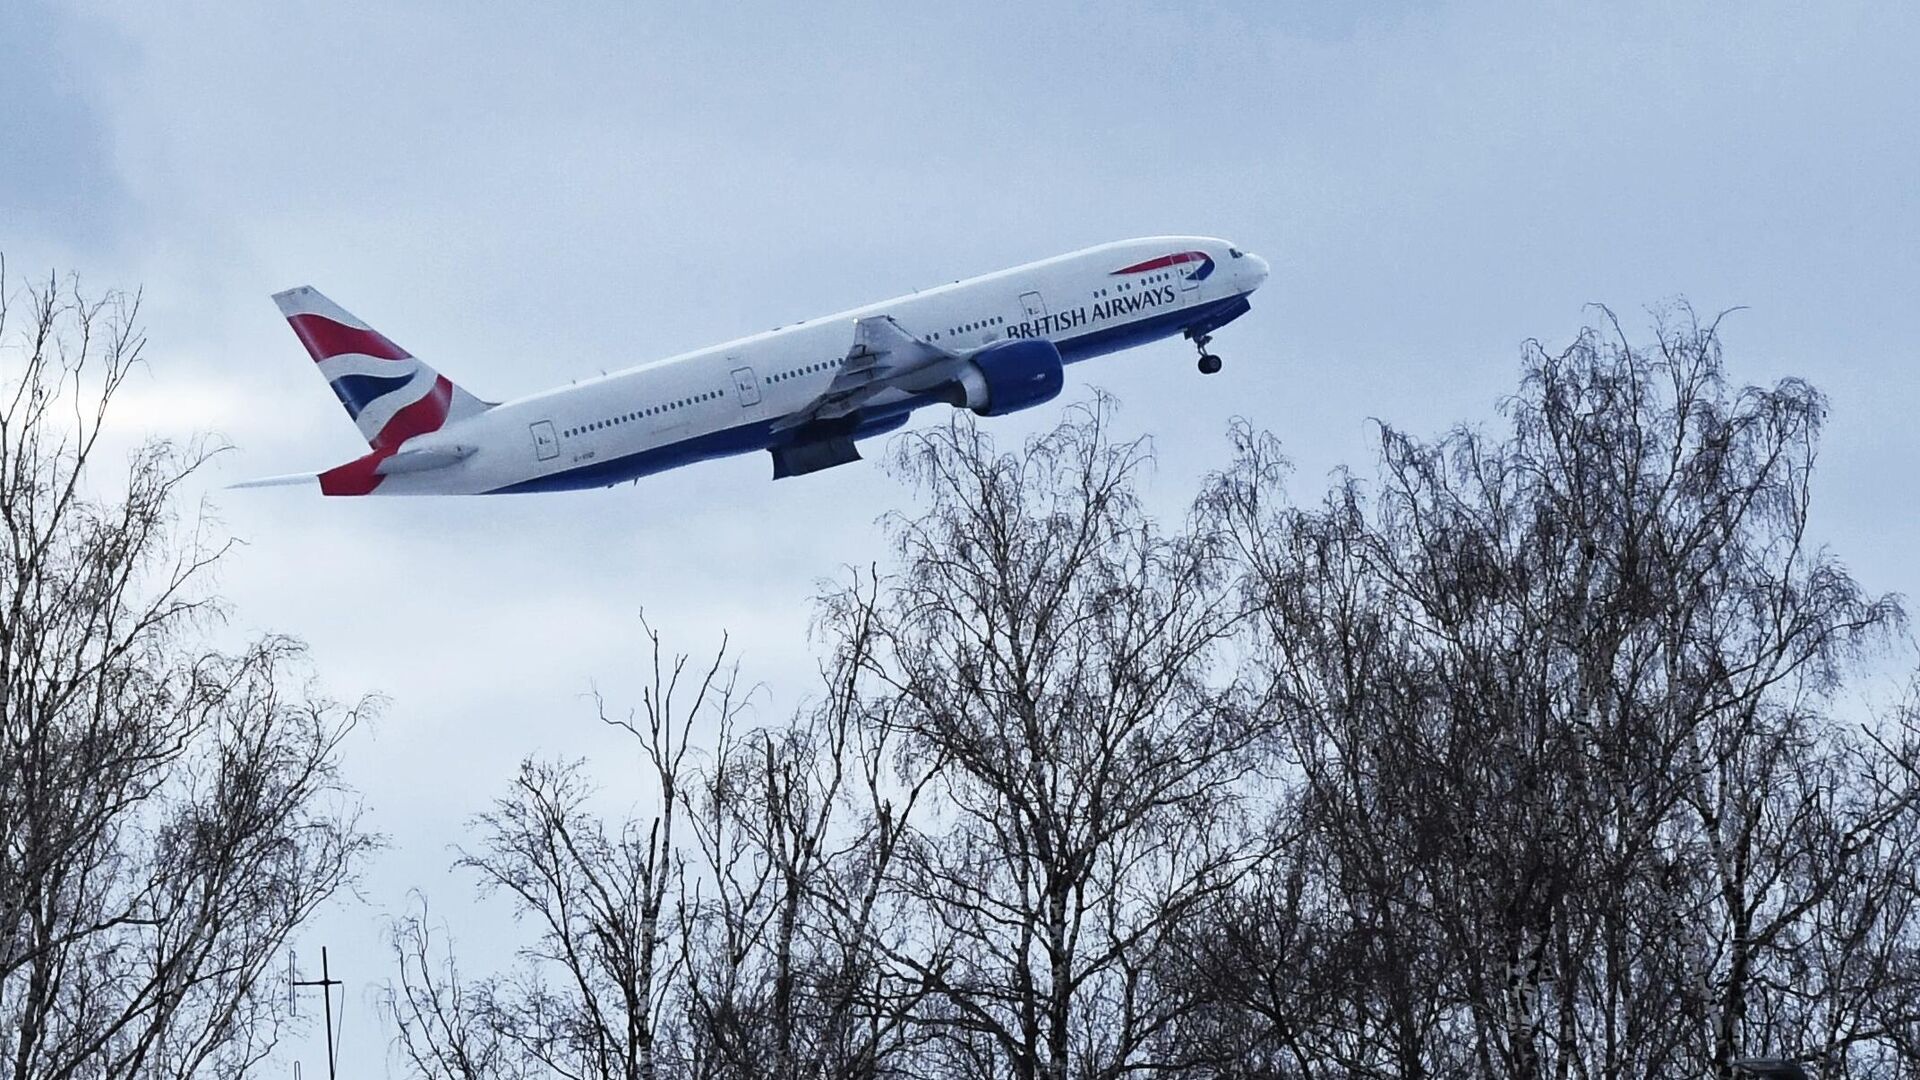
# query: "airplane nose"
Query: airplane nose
1256,271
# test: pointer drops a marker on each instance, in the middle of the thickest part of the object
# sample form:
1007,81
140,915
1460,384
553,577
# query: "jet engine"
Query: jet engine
1010,376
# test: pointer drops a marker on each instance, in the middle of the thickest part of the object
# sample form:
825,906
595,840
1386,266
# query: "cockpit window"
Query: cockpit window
1236,252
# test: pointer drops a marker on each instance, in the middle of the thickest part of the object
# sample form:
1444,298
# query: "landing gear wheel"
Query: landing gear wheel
1209,363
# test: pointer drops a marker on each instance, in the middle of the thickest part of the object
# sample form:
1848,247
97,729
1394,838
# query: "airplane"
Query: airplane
805,393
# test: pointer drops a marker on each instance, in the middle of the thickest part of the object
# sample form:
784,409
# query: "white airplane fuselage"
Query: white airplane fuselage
738,396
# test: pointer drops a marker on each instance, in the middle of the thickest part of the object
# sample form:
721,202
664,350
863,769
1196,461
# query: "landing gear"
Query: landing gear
1209,363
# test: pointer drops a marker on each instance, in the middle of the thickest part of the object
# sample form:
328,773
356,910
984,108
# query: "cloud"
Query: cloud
58,179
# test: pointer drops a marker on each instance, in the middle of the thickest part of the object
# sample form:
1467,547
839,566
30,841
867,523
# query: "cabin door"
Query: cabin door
1189,285
546,446
746,386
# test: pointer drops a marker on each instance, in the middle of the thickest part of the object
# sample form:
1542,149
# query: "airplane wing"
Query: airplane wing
882,354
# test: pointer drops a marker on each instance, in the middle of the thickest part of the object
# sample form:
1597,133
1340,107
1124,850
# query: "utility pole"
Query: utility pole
326,982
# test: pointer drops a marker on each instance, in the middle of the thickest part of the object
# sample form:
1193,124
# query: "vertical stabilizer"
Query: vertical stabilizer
390,394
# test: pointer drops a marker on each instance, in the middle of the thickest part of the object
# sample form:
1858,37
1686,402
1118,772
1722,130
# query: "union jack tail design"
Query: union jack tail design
390,394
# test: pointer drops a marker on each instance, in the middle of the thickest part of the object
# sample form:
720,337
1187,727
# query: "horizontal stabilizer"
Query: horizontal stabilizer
362,475
287,480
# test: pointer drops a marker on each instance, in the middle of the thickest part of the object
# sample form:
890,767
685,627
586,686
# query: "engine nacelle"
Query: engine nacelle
1011,376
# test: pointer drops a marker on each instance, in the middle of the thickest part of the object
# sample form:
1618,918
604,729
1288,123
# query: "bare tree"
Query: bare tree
444,1027
726,935
1576,799
798,827
1057,666
169,814
590,997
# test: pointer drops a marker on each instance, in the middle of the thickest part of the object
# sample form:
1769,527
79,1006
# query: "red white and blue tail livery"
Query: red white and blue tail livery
804,393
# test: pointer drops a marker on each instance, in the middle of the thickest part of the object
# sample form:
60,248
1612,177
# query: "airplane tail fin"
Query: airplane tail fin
390,394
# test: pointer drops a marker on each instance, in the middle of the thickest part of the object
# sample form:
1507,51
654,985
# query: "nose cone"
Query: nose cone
1253,272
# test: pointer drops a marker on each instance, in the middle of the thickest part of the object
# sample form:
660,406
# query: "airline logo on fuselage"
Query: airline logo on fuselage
1114,307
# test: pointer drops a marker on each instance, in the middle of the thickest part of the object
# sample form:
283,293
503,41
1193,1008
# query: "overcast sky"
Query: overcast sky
522,198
